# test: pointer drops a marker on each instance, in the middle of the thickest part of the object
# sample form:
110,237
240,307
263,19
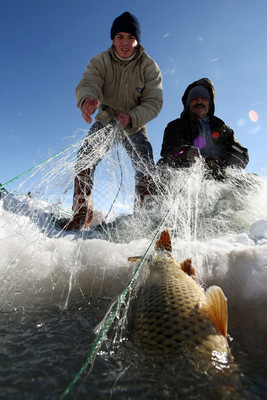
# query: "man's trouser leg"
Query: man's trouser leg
83,184
145,191
82,199
140,151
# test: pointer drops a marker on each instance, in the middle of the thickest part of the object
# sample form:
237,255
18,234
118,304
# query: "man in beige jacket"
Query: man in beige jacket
125,84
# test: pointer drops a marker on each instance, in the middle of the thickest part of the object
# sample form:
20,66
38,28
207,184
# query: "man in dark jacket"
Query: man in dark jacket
199,133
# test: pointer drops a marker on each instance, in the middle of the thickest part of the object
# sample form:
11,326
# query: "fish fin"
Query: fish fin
188,268
133,259
218,308
164,242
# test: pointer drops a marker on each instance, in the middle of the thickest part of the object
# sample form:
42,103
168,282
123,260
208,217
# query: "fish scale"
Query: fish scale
172,311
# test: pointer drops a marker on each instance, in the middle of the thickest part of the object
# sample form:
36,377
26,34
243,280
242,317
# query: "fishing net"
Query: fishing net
40,259
190,203
43,267
48,187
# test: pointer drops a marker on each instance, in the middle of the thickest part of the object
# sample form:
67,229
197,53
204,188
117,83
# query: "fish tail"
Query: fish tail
218,308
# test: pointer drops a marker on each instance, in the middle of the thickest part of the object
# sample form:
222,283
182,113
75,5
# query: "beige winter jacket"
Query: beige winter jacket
133,87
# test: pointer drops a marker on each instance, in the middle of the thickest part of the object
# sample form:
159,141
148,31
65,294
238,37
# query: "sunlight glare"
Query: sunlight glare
200,142
253,115
241,122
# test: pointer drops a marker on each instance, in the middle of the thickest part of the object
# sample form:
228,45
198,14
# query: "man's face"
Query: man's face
199,106
125,44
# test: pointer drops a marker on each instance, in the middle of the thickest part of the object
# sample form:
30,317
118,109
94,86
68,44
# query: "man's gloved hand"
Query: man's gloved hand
234,160
184,154
215,168
88,108
123,119
214,165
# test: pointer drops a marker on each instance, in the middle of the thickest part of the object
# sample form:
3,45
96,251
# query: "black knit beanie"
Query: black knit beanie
126,22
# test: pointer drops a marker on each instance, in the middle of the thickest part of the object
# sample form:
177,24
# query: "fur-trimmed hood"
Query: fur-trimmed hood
209,86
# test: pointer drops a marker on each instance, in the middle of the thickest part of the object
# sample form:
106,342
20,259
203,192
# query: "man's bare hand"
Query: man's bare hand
88,108
123,119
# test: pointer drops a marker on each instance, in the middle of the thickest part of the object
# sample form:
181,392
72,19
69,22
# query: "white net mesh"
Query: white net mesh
37,259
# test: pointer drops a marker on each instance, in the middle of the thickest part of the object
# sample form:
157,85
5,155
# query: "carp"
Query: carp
172,311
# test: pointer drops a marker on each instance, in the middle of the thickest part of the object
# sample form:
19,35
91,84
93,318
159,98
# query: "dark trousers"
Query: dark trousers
96,145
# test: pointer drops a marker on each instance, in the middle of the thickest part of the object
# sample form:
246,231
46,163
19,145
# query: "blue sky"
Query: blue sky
46,45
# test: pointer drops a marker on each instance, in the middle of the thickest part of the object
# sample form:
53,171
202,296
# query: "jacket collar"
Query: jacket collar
140,50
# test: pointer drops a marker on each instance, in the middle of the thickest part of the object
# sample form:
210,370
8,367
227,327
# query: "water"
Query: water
42,350
56,288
